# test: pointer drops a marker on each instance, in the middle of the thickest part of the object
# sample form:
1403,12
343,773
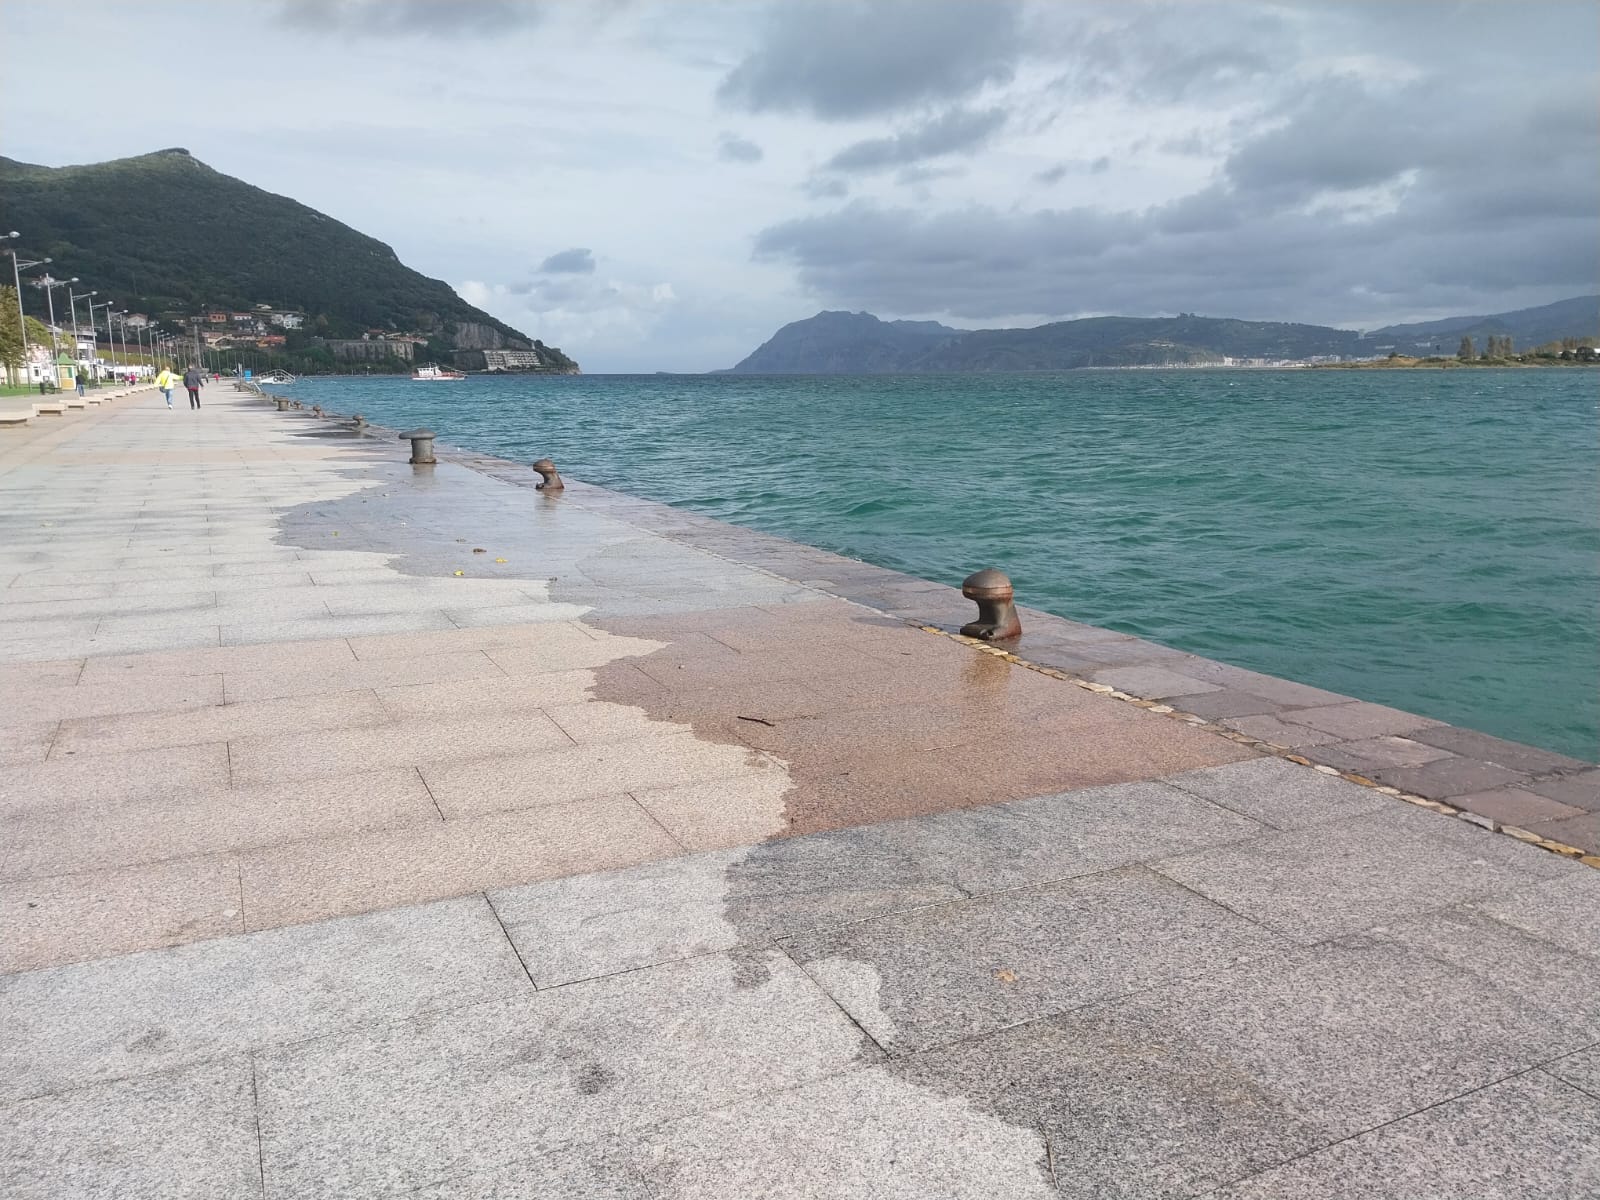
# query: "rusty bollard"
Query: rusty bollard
421,445
997,615
359,421
547,472
316,410
282,402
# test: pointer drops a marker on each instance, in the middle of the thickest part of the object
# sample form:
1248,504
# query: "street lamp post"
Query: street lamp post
111,345
17,267
77,340
48,285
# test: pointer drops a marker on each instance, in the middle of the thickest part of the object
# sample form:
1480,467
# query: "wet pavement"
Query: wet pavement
375,831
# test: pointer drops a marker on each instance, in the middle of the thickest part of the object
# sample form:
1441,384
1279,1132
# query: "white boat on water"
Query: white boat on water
429,371
278,377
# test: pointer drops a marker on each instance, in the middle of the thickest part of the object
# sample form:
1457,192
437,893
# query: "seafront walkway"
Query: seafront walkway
374,831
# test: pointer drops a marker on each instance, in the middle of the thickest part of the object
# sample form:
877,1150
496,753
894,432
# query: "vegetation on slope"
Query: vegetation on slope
164,233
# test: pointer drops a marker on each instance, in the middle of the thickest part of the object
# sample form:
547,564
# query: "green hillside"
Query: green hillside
164,233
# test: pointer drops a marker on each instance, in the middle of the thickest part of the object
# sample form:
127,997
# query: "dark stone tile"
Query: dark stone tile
1581,831
1448,777
1373,754
1224,703
1580,791
1515,806
1359,720
1514,756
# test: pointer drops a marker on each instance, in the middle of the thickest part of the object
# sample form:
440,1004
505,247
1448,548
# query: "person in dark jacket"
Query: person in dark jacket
194,381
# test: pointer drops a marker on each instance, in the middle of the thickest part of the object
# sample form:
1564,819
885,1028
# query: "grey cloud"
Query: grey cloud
1055,174
843,59
1488,207
738,149
822,188
577,261
433,18
1165,53
916,175
958,131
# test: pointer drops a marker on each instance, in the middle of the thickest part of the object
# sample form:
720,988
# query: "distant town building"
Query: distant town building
511,360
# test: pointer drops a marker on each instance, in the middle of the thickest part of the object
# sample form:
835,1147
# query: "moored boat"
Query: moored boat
429,371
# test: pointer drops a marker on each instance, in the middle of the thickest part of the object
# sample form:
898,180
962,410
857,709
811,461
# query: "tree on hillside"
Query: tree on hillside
10,338
1466,353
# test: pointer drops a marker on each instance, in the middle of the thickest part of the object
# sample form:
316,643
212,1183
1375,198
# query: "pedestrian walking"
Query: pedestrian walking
166,381
77,379
194,381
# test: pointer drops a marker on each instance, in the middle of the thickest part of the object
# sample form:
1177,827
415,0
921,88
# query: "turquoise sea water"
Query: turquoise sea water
1429,540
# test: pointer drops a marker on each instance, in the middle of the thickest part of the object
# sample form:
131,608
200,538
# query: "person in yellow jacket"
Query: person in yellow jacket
166,381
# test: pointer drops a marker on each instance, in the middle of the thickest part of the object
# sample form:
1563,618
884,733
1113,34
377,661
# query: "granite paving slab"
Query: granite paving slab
1129,1109
863,1133
1342,876
397,1107
142,1013
50,920
936,974
1043,839
1281,794
591,1173
1357,1031
1527,1138
1580,1070
590,925
188,1133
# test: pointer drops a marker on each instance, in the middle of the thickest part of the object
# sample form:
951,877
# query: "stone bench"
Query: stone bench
49,410
77,402
15,418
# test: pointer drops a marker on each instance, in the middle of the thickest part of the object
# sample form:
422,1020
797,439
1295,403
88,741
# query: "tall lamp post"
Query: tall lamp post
17,267
72,299
111,345
48,286
22,326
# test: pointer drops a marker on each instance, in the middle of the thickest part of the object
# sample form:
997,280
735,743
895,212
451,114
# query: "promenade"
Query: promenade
375,831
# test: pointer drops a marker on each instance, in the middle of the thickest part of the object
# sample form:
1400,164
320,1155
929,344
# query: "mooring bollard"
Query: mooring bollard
547,472
359,421
997,615
282,402
316,410
421,445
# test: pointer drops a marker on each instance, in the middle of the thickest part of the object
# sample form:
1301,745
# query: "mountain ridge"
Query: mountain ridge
164,232
834,342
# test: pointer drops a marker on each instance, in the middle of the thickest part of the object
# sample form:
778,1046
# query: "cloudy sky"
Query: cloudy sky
659,184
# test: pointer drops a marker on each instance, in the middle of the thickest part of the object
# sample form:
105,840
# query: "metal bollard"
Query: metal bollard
316,410
421,445
997,615
547,472
282,402
359,421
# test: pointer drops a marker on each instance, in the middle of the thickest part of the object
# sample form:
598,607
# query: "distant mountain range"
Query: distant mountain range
164,233
834,343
